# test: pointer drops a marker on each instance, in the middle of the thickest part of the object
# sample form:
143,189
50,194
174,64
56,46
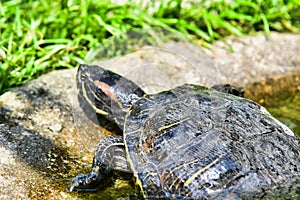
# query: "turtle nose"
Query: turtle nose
83,72
83,69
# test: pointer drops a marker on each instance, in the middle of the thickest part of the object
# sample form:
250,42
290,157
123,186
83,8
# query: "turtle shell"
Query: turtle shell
195,142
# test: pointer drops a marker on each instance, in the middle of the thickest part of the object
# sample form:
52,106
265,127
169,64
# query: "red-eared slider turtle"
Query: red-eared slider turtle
190,142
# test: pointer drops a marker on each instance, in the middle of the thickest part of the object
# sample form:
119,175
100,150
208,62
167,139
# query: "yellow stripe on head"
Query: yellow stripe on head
97,110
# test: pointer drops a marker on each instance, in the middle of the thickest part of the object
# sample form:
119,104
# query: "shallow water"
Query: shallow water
286,108
281,97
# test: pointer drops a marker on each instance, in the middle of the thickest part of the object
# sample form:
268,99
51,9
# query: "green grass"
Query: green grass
40,36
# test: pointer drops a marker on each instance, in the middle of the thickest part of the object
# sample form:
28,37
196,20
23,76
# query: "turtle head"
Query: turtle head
105,93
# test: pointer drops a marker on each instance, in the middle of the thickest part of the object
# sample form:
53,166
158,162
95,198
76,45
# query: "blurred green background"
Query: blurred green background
39,36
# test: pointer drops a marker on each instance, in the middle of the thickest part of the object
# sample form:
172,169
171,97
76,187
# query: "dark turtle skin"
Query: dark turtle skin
190,142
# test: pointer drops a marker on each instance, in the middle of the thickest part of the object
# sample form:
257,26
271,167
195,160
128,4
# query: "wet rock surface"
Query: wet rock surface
45,139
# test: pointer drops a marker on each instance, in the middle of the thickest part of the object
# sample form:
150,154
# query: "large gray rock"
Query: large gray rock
45,139
39,141
238,61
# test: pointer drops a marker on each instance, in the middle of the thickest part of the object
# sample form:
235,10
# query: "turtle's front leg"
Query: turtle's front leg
110,157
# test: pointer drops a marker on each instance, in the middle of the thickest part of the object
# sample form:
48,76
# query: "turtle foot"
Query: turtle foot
86,183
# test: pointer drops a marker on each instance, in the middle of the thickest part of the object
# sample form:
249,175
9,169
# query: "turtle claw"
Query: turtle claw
77,181
84,183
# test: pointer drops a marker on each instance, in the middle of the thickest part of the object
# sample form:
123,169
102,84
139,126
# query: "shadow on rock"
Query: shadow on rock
32,148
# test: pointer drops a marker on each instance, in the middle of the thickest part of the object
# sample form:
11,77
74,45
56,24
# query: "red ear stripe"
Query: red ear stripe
108,91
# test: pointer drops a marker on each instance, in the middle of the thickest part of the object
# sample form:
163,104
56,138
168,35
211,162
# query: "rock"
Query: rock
238,61
257,57
45,139
38,138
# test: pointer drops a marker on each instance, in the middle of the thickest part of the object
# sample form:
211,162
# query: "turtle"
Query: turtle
189,142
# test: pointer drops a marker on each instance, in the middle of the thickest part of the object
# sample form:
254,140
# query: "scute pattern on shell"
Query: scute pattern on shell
199,143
